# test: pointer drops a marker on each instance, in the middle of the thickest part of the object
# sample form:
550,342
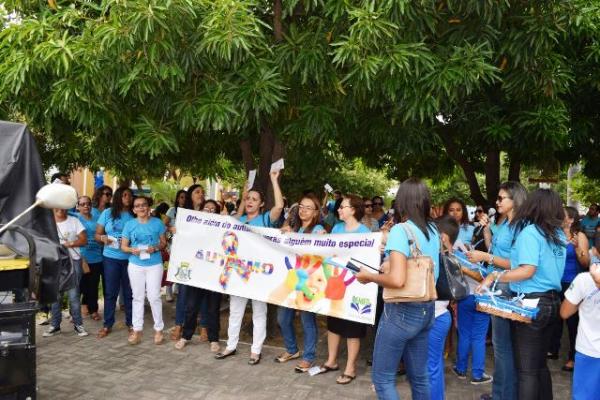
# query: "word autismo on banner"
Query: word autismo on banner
301,271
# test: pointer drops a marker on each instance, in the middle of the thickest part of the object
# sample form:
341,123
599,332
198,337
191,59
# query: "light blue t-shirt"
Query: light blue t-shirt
147,234
316,229
398,241
114,228
93,250
532,248
341,228
465,233
263,220
589,227
502,240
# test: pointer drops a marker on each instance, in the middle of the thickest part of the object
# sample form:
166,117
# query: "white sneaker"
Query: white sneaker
51,332
80,330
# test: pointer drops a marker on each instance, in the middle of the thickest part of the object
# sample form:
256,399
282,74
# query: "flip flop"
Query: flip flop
348,379
254,361
325,369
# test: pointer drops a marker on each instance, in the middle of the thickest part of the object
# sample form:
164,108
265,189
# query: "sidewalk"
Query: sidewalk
87,368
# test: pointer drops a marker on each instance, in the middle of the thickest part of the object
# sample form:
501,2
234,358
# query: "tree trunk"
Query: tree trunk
492,175
514,169
247,156
277,25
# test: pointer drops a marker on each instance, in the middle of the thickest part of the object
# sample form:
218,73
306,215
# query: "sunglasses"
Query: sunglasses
368,205
478,211
500,199
109,194
84,204
377,203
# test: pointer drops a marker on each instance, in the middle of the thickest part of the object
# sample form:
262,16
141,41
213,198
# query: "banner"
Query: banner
305,272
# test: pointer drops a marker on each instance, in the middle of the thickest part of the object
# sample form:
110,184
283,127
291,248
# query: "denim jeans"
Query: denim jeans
505,375
530,344
180,304
74,303
285,318
116,278
403,333
435,359
195,298
472,330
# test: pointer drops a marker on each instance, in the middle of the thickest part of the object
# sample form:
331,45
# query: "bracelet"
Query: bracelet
491,262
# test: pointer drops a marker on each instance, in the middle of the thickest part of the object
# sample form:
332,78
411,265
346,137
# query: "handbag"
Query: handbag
420,282
451,284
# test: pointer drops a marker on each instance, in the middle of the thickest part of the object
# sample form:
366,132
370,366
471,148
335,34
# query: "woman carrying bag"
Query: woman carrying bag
404,326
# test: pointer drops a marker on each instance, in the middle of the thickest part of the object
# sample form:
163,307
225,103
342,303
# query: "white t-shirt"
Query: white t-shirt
68,230
583,290
441,307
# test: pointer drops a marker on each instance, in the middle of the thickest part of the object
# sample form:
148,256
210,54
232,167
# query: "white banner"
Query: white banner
305,272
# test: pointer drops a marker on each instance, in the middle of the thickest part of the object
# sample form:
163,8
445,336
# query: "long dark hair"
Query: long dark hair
543,208
413,202
516,192
315,220
188,197
98,193
465,213
217,205
176,202
117,205
574,215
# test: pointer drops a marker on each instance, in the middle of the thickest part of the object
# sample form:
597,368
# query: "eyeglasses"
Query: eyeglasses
478,211
500,199
84,204
377,203
346,207
140,205
368,205
308,208
209,210
108,194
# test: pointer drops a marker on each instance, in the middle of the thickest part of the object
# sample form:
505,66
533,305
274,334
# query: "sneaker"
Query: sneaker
461,375
169,297
44,319
480,381
81,332
51,331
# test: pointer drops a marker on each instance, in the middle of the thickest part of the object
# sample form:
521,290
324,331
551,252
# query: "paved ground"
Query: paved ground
70,367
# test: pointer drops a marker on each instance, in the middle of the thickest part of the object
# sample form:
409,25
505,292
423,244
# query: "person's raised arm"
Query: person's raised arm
240,210
275,212
582,250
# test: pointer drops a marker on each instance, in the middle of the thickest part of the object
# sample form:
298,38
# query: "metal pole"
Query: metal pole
15,219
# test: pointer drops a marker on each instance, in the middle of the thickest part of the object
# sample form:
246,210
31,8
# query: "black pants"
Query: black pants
194,298
530,344
572,323
89,286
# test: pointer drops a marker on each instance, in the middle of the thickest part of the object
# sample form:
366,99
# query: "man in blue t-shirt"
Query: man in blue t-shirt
590,222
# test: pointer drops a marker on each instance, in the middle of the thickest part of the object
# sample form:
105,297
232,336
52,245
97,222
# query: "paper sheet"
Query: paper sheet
277,165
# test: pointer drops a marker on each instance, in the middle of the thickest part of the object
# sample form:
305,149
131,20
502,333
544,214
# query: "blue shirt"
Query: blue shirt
341,228
398,241
502,240
93,250
465,233
263,220
147,234
589,227
114,228
532,248
316,229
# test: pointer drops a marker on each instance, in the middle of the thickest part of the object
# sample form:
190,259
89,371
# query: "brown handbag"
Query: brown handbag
420,281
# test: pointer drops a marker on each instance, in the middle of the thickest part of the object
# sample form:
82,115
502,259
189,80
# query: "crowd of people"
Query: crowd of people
530,246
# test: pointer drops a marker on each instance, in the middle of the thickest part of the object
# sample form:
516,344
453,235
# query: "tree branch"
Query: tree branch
492,173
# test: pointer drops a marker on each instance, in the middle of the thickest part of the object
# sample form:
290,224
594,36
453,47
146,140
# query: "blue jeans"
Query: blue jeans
403,333
285,318
505,374
116,278
435,360
472,330
74,303
180,304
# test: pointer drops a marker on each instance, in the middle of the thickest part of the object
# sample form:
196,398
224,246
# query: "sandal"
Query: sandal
103,332
285,357
225,354
95,316
344,379
303,366
326,368
254,360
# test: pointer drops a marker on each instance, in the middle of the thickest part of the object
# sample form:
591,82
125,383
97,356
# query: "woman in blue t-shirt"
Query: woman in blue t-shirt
309,208
92,253
537,262
511,196
404,327
109,230
143,239
251,213
578,260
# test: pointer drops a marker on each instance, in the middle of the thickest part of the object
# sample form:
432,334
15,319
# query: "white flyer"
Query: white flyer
251,178
277,165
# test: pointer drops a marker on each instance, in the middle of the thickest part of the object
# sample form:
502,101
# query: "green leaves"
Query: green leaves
153,139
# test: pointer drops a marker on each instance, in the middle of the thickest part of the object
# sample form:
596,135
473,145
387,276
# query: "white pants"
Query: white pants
237,307
146,280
